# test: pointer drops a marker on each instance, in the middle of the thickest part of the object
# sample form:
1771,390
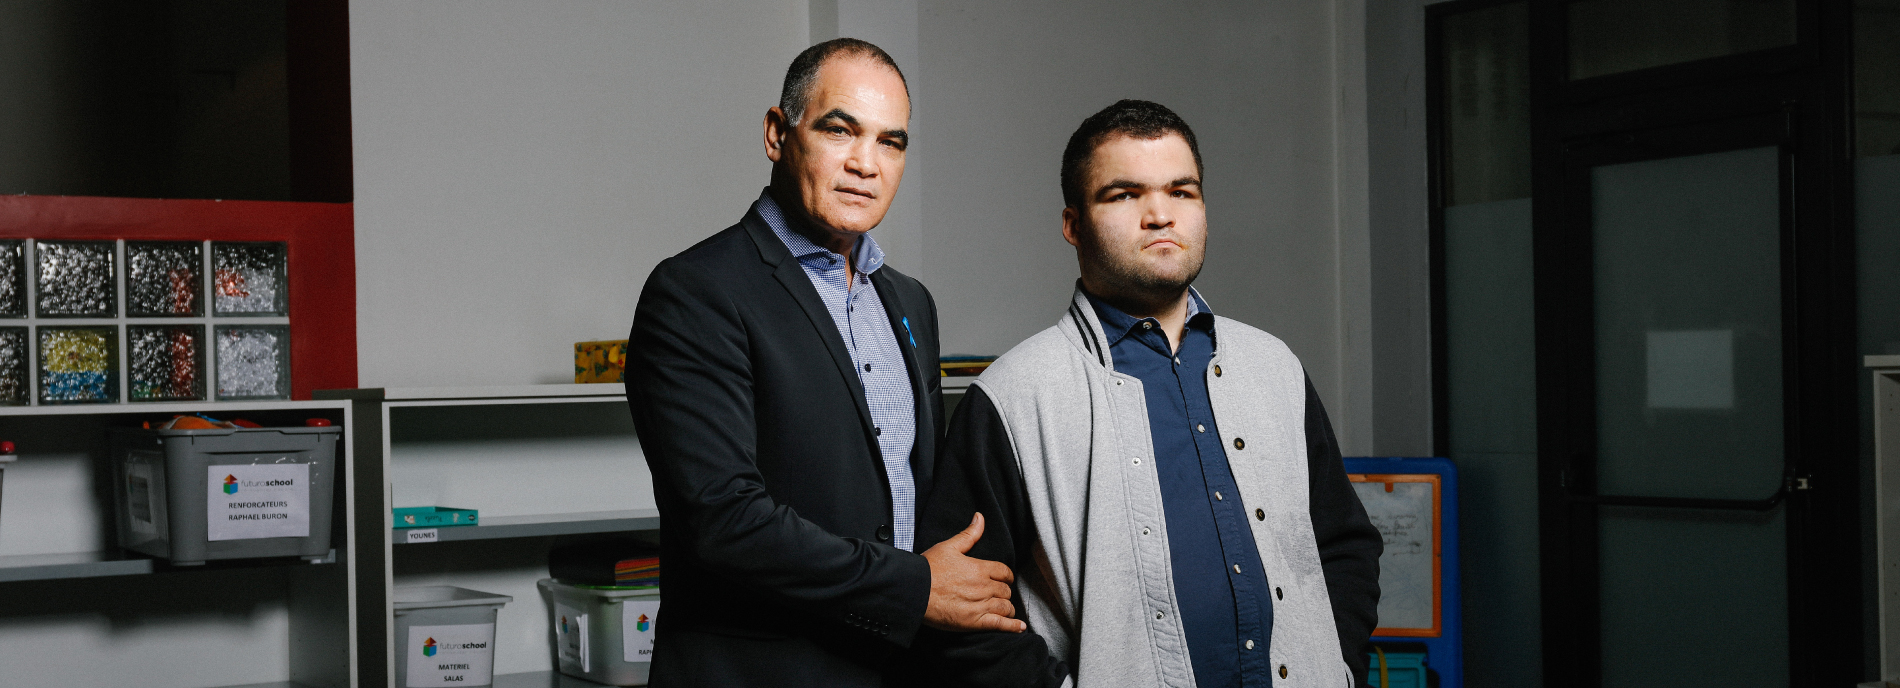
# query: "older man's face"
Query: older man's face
1142,230
845,156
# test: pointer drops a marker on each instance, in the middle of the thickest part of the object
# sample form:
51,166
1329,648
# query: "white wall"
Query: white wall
520,167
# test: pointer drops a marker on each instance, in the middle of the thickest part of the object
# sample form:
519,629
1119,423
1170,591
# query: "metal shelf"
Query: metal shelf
29,567
541,525
218,409
543,679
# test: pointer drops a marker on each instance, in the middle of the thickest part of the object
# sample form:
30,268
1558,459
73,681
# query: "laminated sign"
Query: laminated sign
257,501
459,655
637,618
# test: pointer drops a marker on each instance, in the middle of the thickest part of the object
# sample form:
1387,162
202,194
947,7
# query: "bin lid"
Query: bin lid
436,596
602,590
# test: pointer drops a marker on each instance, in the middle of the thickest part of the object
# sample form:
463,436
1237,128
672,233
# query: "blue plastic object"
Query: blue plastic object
1406,669
1445,653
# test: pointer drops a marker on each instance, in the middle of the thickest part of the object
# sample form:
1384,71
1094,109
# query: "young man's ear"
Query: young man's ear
1071,223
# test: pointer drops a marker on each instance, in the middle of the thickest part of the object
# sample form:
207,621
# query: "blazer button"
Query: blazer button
1260,514
1283,671
1216,371
1278,595
1240,443
884,533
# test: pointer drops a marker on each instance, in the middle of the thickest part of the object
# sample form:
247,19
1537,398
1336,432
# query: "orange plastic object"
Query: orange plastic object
191,423
317,422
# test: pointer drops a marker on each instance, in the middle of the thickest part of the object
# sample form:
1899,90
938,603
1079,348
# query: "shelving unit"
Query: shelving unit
80,611
543,464
1886,372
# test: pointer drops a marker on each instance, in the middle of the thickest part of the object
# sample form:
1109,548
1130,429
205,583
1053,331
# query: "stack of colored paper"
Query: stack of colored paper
635,572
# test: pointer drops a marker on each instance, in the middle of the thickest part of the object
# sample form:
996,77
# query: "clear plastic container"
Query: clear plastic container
196,495
445,636
601,634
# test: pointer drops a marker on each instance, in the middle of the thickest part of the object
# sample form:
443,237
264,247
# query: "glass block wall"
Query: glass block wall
143,321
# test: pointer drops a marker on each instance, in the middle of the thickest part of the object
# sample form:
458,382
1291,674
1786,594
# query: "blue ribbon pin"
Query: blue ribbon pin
912,335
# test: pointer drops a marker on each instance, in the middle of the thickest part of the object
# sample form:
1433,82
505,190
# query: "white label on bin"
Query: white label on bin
462,655
420,535
568,626
637,618
139,496
257,501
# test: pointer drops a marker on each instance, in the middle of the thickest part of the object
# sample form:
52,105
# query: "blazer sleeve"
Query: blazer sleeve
1349,546
689,385
978,472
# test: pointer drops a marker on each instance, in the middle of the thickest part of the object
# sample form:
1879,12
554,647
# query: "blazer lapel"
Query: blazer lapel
792,276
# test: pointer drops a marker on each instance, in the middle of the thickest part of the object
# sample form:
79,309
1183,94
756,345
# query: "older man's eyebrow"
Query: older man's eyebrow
902,136
837,114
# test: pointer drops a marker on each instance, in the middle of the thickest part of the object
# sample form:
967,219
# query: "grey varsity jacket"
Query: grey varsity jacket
1053,446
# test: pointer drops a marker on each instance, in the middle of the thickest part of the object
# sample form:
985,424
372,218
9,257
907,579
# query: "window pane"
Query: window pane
1612,36
1486,105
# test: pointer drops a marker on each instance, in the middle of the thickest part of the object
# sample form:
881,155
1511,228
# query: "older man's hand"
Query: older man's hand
969,594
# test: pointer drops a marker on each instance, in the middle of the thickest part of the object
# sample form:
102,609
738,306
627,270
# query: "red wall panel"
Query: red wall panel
321,240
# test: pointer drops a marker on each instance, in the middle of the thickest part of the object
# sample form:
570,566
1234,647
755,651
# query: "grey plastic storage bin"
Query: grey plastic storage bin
604,635
445,636
196,495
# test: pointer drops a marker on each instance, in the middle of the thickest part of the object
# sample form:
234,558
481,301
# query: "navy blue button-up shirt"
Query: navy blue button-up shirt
1222,589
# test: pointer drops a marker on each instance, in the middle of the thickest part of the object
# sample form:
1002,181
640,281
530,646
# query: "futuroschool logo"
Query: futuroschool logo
641,624
230,484
428,648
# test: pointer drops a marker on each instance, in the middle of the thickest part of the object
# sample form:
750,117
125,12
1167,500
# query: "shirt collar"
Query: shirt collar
869,256
1117,325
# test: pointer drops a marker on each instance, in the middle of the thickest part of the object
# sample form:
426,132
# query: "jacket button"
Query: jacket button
1240,443
1217,371
1283,671
1260,514
1277,594
884,533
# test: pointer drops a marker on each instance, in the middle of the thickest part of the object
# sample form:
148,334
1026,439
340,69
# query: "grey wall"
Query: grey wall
520,167
1261,84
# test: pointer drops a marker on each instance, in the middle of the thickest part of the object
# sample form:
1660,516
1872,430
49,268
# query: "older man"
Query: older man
1163,480
783,380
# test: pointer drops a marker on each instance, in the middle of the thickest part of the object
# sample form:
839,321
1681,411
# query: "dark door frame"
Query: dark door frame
1794,97
1802,90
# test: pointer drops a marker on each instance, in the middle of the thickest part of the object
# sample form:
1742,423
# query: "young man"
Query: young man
784,384
1163,480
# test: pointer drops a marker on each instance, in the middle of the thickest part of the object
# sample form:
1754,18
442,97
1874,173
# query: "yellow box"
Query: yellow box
600,361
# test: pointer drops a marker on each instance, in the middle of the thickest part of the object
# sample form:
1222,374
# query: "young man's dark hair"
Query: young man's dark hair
804,71
1137,118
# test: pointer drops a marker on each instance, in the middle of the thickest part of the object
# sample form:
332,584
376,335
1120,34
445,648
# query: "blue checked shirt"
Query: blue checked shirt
866,330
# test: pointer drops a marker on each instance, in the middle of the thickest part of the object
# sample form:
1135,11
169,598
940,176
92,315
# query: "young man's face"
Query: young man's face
1141,233
845,156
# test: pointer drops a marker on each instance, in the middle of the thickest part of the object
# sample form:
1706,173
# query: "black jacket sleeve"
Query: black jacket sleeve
1349,546
977,472
689,384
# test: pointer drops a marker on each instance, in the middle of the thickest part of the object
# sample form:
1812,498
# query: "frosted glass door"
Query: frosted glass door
1687,266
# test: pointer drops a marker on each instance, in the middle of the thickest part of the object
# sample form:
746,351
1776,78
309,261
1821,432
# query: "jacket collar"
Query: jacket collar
1084,328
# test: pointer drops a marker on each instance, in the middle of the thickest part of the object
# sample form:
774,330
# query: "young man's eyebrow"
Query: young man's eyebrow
1186,181
1122,184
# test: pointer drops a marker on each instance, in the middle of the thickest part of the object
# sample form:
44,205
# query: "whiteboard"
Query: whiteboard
1403,512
